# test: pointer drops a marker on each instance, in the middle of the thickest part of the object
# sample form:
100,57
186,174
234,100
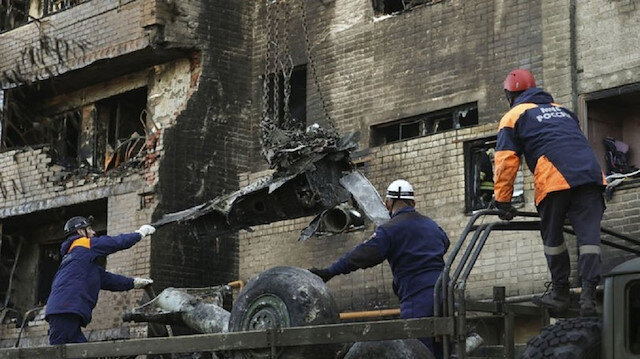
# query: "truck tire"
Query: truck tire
283,297
389,349
578,338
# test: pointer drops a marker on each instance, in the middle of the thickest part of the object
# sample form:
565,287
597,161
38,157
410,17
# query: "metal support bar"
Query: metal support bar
285,337
509,338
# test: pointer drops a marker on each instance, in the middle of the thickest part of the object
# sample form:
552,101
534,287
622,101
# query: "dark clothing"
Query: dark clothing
553,145
413,244
65,328
80,277
584,206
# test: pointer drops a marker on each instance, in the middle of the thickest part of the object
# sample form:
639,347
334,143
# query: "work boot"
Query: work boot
556,299
588,301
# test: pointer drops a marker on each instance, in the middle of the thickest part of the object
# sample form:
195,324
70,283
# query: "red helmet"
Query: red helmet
519,80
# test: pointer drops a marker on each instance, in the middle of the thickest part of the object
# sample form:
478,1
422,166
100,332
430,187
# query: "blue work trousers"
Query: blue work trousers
420,305
583,206
65,328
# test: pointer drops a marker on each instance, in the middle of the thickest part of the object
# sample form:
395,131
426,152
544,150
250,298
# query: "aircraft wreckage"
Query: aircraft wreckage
313,176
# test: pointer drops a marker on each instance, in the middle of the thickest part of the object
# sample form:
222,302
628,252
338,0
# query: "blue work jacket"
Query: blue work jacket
80,277
414,246
553,145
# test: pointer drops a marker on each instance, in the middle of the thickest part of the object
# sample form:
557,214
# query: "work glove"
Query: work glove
322,273
141,282
507,212
146,230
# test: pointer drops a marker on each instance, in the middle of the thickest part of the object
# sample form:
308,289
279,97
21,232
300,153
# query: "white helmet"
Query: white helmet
400,189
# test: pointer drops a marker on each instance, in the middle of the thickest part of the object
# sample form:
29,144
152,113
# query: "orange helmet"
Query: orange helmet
519,80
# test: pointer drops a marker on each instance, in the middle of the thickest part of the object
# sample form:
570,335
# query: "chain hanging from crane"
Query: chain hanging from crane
281,134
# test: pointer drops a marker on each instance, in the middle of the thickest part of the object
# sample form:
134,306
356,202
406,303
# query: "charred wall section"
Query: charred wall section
206,149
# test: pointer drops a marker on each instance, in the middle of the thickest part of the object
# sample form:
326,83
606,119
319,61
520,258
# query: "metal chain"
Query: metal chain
287,68
267,122
312,65
276,58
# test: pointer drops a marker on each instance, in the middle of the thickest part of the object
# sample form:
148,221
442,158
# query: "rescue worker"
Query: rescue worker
75,287
414,246
568,182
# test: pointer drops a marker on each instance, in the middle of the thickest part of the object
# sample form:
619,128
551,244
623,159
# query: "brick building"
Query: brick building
420,80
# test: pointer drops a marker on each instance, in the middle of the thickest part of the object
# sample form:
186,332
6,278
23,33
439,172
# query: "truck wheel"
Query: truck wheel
283,297
389,349
577,338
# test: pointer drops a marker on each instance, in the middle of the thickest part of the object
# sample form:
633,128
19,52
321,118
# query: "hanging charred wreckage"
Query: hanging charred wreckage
314,176
313,170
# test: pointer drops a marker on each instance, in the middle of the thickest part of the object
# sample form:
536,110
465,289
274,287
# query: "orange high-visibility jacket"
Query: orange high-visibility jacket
553,145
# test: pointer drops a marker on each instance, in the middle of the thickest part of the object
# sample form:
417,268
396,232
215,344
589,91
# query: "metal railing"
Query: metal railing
450,288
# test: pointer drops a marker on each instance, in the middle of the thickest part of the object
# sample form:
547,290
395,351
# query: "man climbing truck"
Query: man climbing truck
568,182
413,244
76,285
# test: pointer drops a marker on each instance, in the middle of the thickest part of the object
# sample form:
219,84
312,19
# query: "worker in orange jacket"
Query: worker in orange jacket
568,183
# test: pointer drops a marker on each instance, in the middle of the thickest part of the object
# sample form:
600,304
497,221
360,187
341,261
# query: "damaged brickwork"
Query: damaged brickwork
377,68
201,65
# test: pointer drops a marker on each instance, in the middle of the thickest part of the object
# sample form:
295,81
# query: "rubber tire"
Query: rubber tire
307,301
390,349
578,338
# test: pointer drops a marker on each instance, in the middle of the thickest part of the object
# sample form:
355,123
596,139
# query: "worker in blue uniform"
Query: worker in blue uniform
76,285
414,246
568,183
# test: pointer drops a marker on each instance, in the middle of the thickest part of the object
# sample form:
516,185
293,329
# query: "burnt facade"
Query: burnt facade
133,109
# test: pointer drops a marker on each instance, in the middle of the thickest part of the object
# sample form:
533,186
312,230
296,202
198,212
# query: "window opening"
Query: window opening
425,124
613,129
13,13
633,323
101,136
120,127
479,171
394,6
54,6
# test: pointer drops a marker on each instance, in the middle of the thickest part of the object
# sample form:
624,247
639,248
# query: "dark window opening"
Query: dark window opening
393,6
297,97
616,117
13,13
54,6
479,171
30,252
425,124
120,127
633,324
100,136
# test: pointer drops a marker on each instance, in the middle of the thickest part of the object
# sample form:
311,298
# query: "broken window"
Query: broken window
393,6
120,128
425,124
13,13
479,164
615,116
297,97
53,6
101,136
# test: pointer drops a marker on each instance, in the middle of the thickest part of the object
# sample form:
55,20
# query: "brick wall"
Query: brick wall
41,185
207,147
120,30
608,53
513,259
375,70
